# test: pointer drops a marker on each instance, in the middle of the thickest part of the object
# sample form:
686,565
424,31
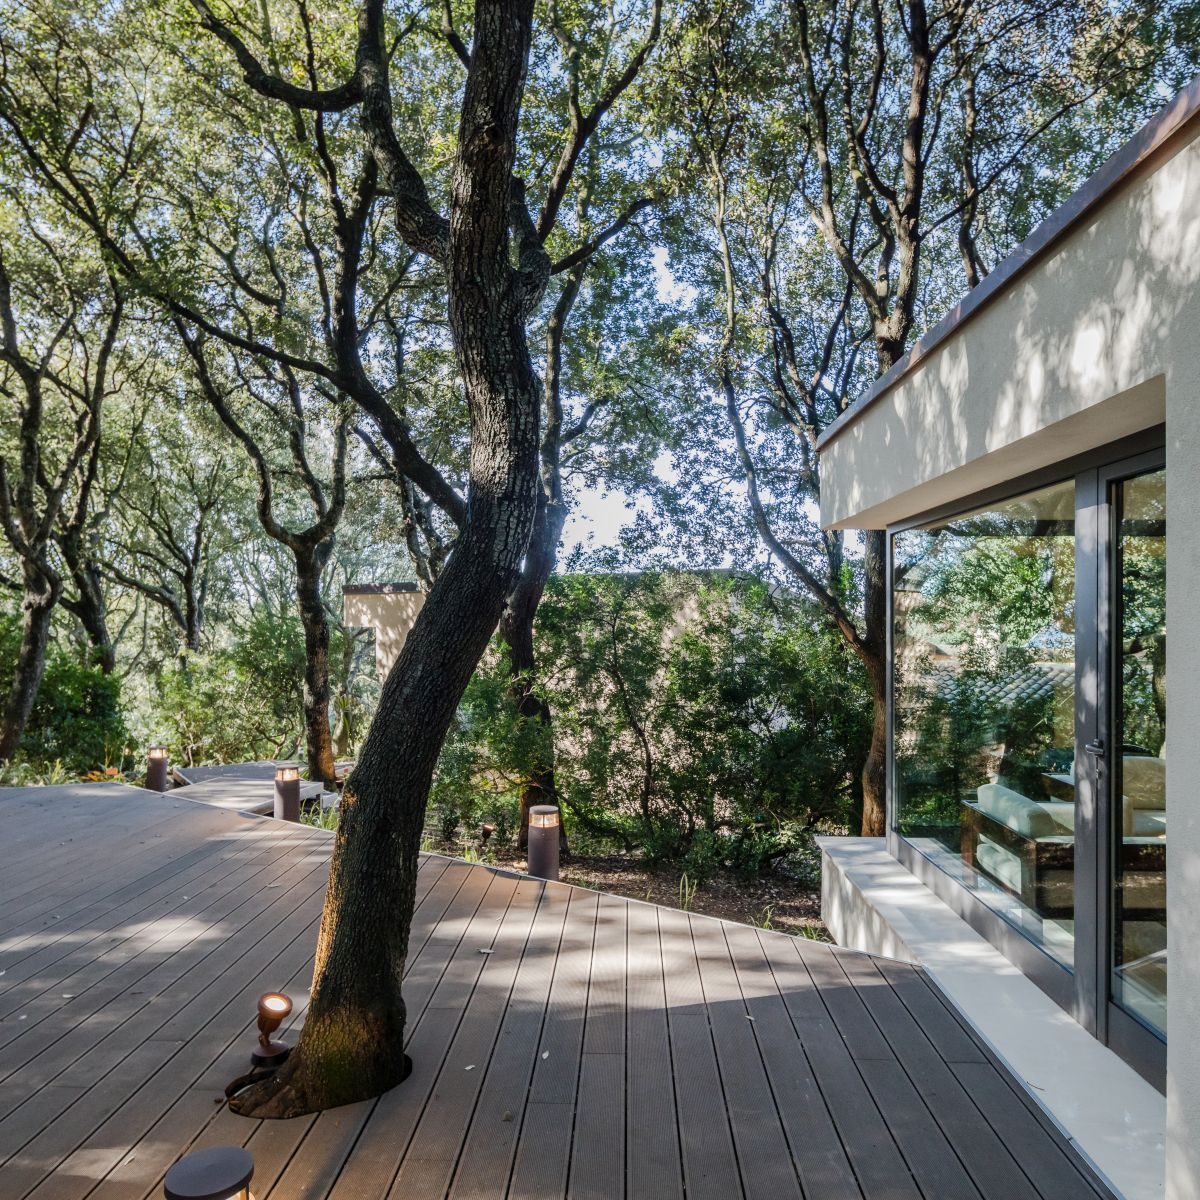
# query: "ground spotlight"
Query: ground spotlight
273,1007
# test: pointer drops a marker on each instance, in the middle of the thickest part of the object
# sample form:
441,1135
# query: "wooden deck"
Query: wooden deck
603,1049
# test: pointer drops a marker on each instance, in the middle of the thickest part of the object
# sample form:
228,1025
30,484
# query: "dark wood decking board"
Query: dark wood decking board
203,890
653,1170
603,1050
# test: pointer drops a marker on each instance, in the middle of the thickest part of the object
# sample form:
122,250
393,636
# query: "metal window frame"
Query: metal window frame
1083,991
1143,1047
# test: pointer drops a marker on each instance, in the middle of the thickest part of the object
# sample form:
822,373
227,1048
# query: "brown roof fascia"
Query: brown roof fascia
1171,122
377,589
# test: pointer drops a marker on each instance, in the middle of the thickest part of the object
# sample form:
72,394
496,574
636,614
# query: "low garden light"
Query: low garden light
287,793
156,769
218,1173
273,1007
544,821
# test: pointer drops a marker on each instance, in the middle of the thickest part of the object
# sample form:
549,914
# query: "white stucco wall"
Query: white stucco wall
1095,342
1183,769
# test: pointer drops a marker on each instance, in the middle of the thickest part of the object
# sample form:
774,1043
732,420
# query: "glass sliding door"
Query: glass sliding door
1138,794
984,699
1028,734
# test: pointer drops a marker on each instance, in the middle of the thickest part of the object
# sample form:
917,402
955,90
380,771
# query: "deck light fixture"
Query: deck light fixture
218,1173
287,793
544,821
156,769
272,1008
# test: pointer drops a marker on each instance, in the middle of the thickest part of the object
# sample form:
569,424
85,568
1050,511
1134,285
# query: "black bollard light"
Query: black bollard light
218,1173
544,820
287,793
156,769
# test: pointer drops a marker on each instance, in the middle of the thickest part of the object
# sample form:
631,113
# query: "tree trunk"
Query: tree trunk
317,735
193,610
41,595
92,613
352,1045
516,630
538,786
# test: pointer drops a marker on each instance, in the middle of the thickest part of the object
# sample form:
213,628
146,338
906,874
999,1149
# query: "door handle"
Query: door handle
1096,749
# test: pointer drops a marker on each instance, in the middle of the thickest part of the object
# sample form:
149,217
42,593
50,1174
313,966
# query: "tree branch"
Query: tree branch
259,79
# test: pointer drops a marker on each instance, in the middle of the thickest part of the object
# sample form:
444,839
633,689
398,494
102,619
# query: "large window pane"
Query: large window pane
984,677
1139,951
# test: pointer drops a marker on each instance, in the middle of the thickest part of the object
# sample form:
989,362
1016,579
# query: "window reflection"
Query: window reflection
1139,952
984,679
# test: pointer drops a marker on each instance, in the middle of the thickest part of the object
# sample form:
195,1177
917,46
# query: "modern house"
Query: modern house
1020,459
390,609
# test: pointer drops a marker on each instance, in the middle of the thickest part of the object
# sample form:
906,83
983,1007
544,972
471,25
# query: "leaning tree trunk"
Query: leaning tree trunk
317,735
352,1045
41,595
516,630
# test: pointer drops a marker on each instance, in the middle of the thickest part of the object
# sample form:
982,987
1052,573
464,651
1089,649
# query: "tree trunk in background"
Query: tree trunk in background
41,595
90,609
517,630
317,735
193,610
873,650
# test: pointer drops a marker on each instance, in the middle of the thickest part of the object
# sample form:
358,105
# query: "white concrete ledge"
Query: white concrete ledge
1114,1117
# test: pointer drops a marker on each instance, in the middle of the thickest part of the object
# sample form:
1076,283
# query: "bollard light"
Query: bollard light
544,821
218,1173
156,769
273,1007
287,793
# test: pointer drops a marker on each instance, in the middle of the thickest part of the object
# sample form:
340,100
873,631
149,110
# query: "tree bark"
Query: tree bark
317,735
193,608
41,594
352,1045
873,654
89,608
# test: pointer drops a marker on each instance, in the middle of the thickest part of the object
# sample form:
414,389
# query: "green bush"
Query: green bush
699,719
243,701
77,720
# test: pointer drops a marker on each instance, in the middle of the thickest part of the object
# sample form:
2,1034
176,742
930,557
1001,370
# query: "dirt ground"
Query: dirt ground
774,902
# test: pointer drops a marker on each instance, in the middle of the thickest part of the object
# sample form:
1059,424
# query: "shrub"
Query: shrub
77,720
702,719
242,701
